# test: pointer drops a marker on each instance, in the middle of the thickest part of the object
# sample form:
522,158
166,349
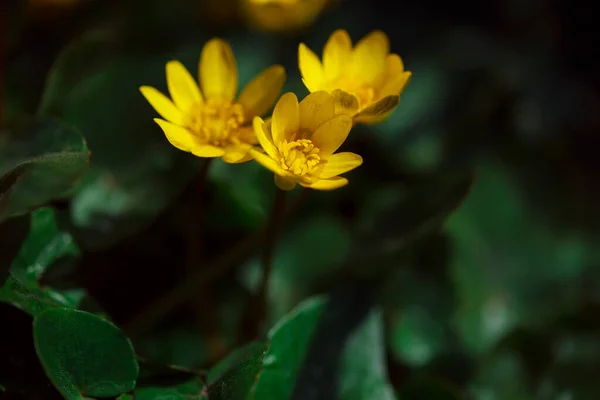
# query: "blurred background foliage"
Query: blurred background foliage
462,261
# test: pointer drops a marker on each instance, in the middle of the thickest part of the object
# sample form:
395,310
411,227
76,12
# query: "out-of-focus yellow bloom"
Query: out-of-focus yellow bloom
366,80
282,15
300,142
210,122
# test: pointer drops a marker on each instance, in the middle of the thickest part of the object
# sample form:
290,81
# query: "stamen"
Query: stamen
300,157
216,122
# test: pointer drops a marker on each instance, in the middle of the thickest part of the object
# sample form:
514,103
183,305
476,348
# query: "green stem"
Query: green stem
272,231
202,278
201,303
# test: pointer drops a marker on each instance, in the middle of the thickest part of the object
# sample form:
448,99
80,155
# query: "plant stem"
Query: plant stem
201,303
274,224
201,278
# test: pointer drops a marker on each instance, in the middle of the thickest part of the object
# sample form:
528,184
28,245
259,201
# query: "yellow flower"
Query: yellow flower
366,80
300,142
282,15
211,122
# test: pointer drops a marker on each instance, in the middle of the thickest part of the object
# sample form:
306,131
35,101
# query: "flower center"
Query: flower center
216,122
365,92
300,157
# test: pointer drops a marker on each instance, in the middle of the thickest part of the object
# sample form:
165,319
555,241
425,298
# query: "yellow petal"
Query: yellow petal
207,151
327,184
182,87
285,183
178,136
236,154
286,117
162,105
310,68
330,136
264,137
260,93
218,70
345,103
336,54
316,109
267,162
380,108
368,58
340,163
395,78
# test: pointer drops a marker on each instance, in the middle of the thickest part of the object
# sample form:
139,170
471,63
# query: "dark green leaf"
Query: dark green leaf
364,374
233,377
33,299
12,235
83,354
396,227
289,341
505,261
125,397
40,163
44,245
193,390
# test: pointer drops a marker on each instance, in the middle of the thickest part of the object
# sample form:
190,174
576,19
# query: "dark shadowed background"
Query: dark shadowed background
467,242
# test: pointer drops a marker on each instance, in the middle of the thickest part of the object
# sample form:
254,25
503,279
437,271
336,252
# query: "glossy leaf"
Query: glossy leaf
233,377
193,390
84,355
44,245
289,341
364,374
42,162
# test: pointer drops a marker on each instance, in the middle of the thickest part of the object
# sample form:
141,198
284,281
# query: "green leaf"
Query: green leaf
416,336
191,390
233,377
422,208
135,172
33,299
40,163
505,261
83,354
44,245
289,341
364,373
125,397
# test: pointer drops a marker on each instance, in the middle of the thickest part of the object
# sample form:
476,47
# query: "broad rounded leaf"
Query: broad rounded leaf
83,354
42,162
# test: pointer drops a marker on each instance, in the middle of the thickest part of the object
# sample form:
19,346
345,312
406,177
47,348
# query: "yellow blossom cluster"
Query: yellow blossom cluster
298,142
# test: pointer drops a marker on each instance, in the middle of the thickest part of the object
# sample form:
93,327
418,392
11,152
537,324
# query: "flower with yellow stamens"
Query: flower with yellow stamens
209,121
366,80
282,15
300,142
